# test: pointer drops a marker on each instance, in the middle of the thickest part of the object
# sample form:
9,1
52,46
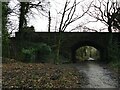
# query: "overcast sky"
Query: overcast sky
57,6
41,23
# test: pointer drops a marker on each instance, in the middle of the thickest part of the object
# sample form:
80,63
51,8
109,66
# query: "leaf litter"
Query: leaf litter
39,75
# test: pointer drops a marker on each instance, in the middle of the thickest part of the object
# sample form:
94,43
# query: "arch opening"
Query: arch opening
101,50
87,53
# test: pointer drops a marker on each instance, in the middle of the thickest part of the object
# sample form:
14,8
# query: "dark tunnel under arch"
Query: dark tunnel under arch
102,50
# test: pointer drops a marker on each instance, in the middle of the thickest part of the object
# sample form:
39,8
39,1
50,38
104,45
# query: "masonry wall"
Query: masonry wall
70,41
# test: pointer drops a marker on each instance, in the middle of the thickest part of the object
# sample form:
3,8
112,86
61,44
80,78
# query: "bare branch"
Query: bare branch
106,12
74,5
63,15
69,18
76,18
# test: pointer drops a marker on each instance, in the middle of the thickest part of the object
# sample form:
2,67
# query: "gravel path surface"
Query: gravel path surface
97,76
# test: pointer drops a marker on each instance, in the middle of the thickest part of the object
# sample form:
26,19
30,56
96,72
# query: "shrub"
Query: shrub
42,52
36,52
114,53
28,54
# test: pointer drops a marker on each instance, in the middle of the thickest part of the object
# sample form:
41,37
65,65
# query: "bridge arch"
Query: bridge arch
102,50
70,42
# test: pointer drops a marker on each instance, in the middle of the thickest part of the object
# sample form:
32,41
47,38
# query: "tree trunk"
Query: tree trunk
49,22
109,29
58,49
49,25
23,12
21,19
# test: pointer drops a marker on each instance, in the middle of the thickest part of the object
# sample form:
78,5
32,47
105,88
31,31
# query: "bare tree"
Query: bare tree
69,16
26,7
106,12
24,10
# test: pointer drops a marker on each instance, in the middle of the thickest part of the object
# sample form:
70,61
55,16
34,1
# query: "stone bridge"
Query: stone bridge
71,41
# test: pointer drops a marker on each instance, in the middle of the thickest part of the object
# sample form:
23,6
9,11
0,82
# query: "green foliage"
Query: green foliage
43,48
83,53
28,54
28,30
5,35
42,51
36,52
114,53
